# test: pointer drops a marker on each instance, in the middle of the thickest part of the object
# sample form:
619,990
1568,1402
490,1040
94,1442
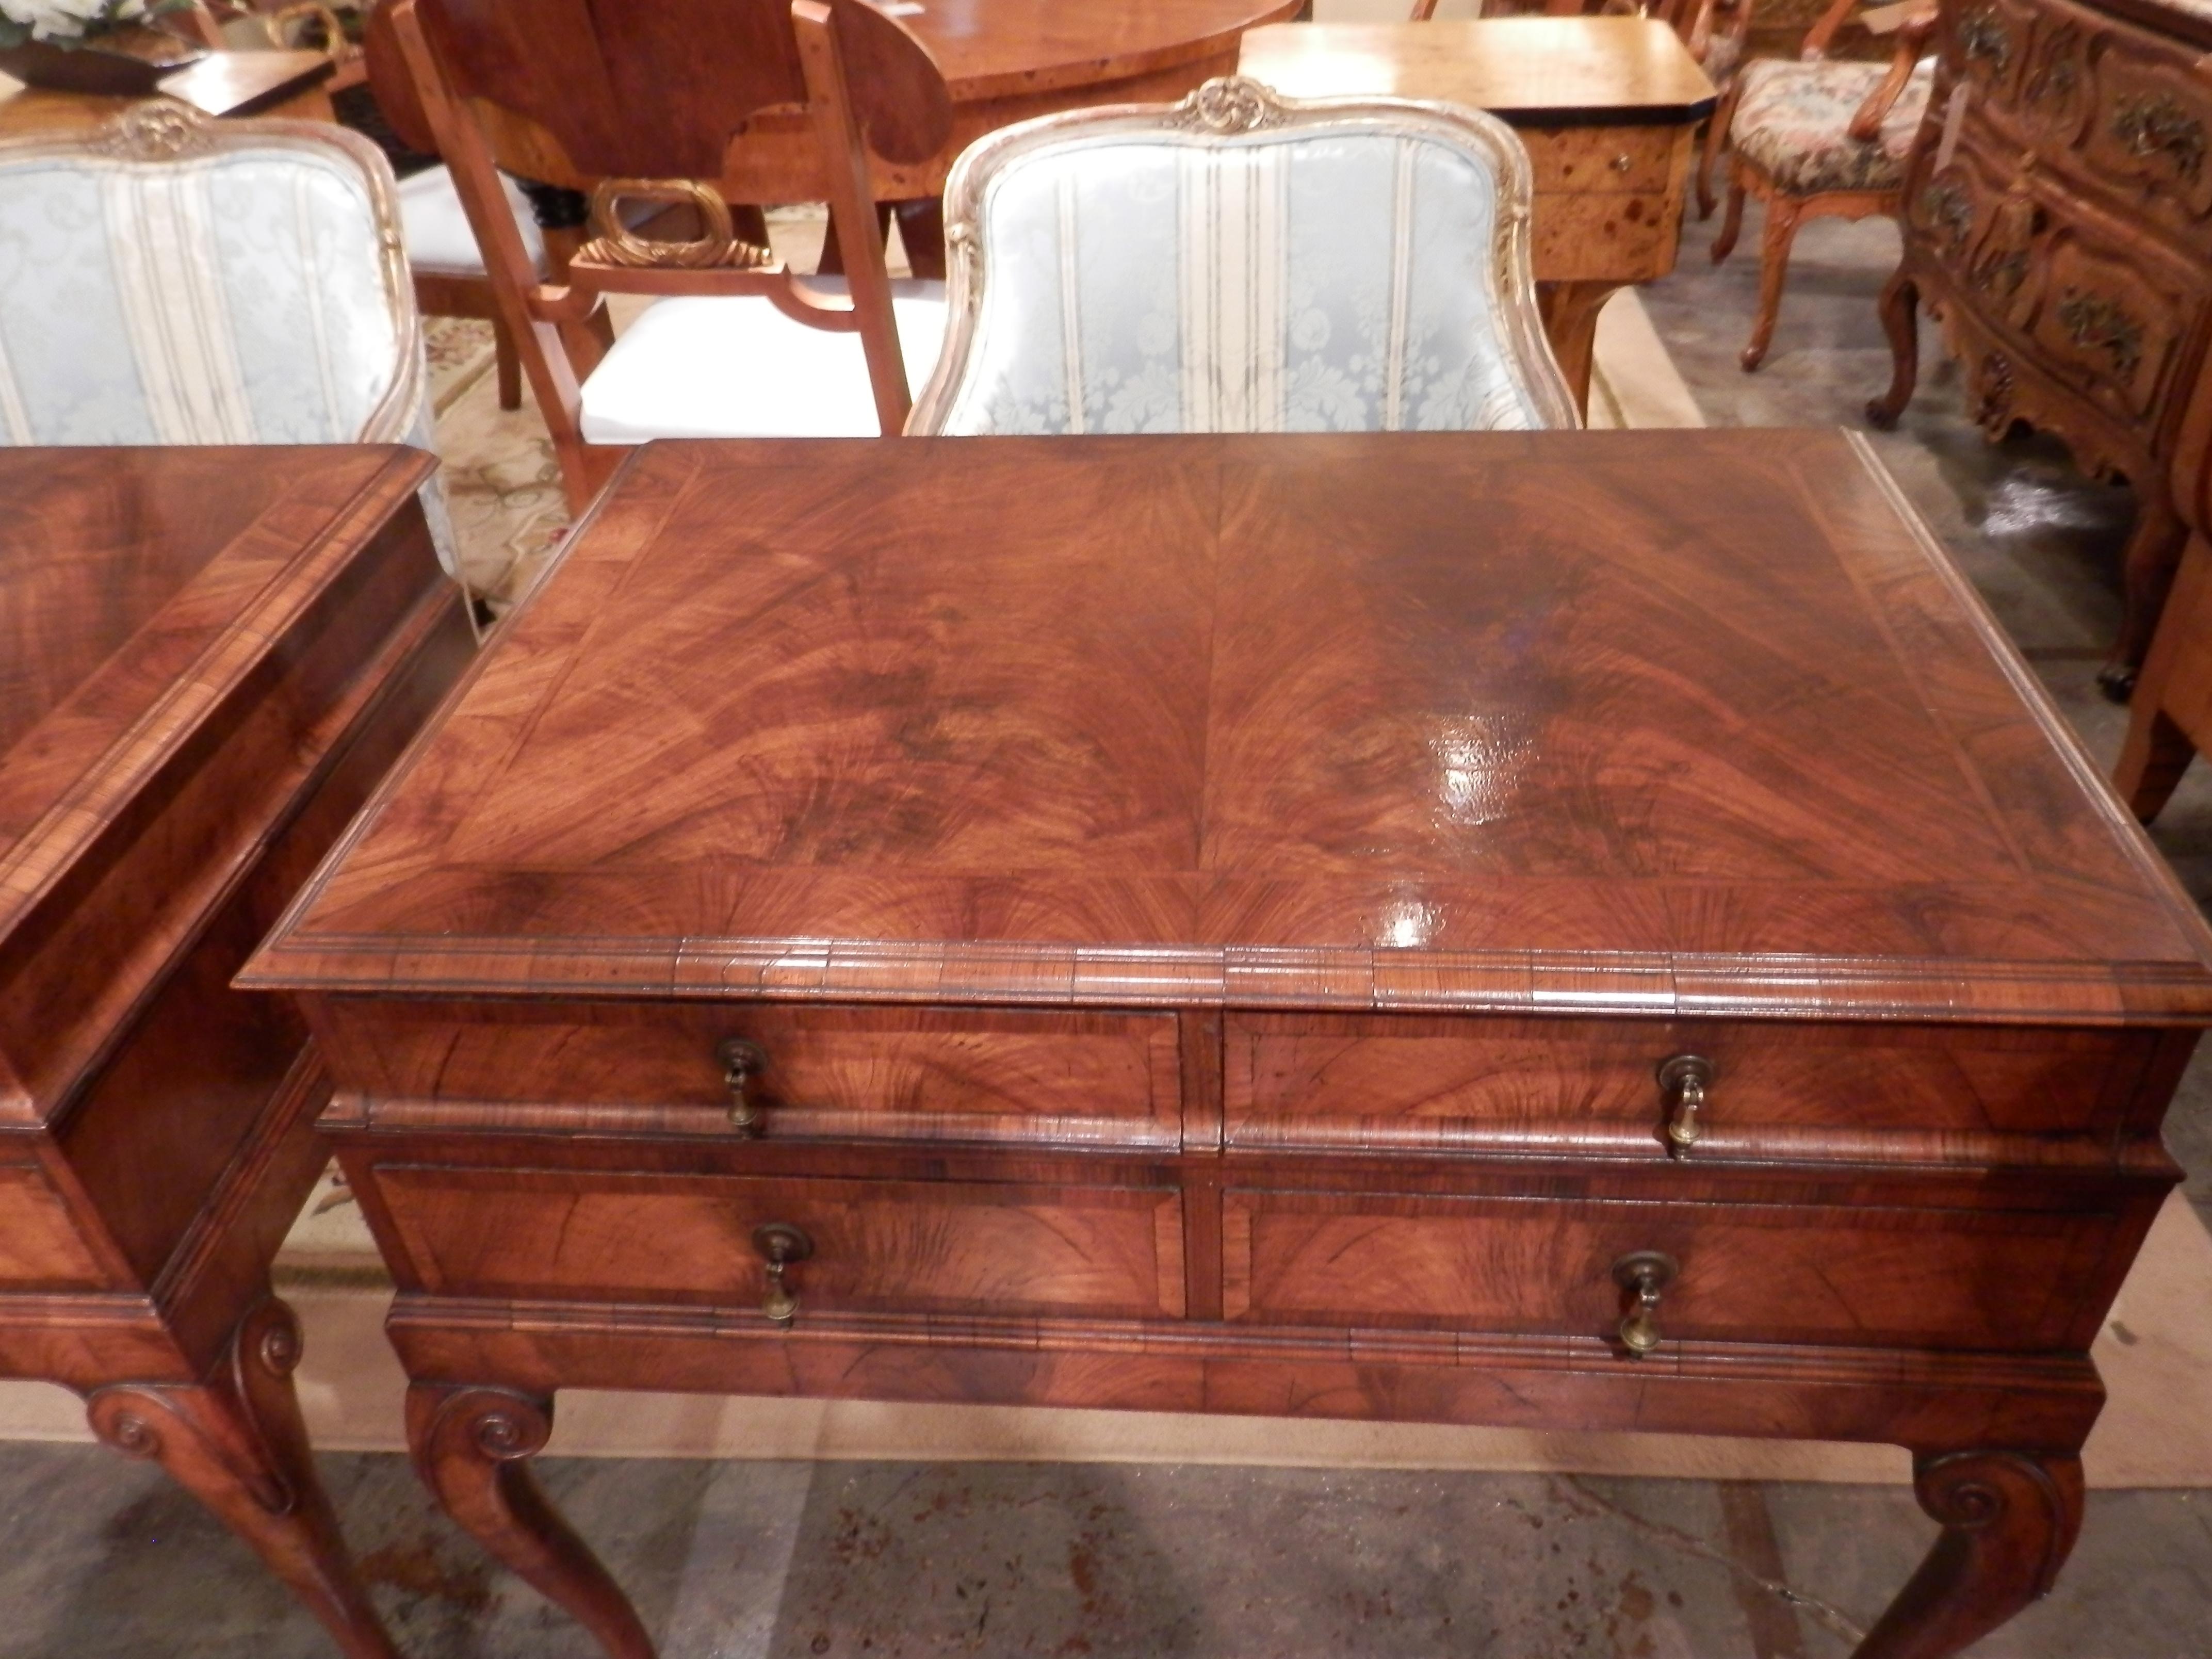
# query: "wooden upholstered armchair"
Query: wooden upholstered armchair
635,101
1818,136
1241,261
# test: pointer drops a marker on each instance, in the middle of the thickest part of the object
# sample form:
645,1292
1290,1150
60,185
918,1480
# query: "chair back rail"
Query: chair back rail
644,97
1244,262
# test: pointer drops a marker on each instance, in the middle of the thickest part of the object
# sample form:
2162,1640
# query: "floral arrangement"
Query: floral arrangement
70,22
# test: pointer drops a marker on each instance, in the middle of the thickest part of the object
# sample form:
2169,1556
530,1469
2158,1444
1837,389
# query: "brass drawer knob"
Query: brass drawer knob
780,1245
1683,1080
741,1063
1643,1274
1621,163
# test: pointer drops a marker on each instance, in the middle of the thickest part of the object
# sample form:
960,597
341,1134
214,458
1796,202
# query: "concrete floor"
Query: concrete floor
103,1559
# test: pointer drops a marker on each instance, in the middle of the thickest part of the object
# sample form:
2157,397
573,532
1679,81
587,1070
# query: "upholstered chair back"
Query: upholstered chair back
175,281
1242,263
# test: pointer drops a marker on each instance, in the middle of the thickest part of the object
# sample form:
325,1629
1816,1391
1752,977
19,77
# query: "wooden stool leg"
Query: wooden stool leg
471,1447
1900,321
2156,754
2177,675
507,365
1782,215
2010,1522
1717,136
236,1444
1732,226
2146,568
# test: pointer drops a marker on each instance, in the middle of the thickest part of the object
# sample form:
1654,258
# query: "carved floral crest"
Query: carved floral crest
155,130
1230,104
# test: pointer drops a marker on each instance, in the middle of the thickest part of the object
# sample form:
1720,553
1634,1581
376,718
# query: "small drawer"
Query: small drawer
40,1247
893,1247
1877,1275
1611,161
1412,1084
1105,1082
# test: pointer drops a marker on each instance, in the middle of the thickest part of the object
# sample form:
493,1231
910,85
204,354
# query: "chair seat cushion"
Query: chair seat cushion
435,229
1792,123
738,367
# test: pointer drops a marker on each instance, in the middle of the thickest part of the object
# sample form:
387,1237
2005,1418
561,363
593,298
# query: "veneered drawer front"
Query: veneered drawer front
1404,1083
39,1246
1093,1081
878,1245
1622,160
1925,1277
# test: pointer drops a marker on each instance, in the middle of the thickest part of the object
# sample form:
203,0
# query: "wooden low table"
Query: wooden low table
1608,108
291,84
210,657
1440,927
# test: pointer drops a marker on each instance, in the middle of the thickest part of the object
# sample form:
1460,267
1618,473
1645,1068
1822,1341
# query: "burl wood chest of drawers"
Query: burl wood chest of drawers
2058,220
1458,929
208,658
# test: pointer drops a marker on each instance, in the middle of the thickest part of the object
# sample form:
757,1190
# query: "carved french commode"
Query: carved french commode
2058,220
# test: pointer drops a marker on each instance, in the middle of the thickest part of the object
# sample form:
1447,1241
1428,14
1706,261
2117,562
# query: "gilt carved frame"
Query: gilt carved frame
1219,114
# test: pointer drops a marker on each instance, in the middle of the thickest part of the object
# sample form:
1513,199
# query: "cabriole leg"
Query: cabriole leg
237,1443
1900,321
471,1447
2009,1521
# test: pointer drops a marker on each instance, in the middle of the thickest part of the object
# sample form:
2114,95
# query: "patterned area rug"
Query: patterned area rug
502,487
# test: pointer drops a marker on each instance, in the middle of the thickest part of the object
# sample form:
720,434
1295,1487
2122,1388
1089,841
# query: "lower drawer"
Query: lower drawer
40,1247
1910,1276
876,1246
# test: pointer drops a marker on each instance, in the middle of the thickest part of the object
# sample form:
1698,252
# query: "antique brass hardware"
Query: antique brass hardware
780,1244
741,1061
1646,1273
2098,323
1622,162
2160,126
1980,35
1683,1080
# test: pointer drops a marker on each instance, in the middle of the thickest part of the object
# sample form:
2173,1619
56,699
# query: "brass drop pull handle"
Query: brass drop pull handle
741,1063
780,1244
1644,1274
1683,1081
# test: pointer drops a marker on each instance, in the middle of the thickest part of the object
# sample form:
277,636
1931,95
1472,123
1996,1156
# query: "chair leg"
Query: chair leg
1732,226
506,366
1782,217
1716,135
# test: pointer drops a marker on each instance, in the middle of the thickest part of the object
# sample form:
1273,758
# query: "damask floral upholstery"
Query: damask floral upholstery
235,297
1792,123
1329,279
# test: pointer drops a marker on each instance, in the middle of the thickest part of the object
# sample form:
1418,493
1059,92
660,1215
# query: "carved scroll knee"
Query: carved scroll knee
2009,1521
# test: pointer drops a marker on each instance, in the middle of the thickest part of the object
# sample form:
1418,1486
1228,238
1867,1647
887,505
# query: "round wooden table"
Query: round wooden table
1004,60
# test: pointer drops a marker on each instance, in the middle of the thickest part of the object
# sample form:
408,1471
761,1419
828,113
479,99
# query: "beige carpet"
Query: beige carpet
2155,1354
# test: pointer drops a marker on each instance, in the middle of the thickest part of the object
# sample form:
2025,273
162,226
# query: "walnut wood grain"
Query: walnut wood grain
1218,906
923,1246
1247,728
212,657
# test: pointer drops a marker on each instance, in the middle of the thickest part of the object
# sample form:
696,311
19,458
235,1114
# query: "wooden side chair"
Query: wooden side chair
1815,138
1241,262
638,99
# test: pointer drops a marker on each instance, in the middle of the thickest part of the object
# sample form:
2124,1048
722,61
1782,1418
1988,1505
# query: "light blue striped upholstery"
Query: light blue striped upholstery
245,293
1330,277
